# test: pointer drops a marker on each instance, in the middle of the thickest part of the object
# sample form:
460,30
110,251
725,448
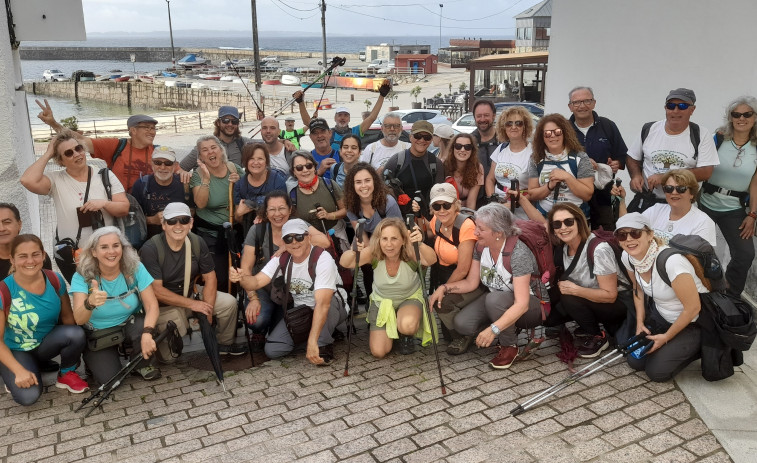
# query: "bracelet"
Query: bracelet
206,185
446,289
87,305
550,189
252,295
752,214
148,330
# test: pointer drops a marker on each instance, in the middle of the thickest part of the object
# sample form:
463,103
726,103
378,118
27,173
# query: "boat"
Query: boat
199,85
272,82
315,85
227,78
122,78
115,73
169,74
101,78
287,79
191,60
169,83
210,76
145,78
180,84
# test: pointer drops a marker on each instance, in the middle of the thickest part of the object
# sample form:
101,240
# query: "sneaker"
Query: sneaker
148,373
232,349
257,341
73,382
407,344
460,345
505,357
593,346
327,354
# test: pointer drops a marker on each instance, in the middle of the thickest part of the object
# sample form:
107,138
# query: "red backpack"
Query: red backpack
6,294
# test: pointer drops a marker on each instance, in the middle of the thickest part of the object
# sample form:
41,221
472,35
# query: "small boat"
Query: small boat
169,83
115,73
199,85
122,78
169,74
287,79
272,82
227,78
210,76
180,84
101,78
191,60
145,78
315,85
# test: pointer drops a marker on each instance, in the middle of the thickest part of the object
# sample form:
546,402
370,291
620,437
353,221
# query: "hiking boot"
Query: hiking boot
232,349
407,344
338,335
460,345
327,354
257,341
593,346
73,382
505,357
148,373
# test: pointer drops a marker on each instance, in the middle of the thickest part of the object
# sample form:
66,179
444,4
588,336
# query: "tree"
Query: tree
462,87
70,123
368,103
415,92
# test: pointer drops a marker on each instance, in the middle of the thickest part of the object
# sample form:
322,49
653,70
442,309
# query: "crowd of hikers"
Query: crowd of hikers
514,232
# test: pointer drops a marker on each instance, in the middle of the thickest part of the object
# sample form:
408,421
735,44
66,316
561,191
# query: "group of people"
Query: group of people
305,218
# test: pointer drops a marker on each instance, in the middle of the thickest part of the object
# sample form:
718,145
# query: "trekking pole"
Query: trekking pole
105,389
514,184
323,224
351,320
410,223
236,261
236,71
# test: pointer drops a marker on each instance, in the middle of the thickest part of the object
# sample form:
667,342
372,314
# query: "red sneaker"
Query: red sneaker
73,382
504,358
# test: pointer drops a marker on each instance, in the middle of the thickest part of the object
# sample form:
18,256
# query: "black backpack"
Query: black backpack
133,224
693,135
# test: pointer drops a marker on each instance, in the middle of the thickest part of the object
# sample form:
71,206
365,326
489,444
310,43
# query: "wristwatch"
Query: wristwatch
495,329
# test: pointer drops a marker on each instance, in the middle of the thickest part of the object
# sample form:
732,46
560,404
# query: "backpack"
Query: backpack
119,150
693,134
600,236
51,276
134,224
315,254
335,169
694,247
465,214
161,247
329,186
401,163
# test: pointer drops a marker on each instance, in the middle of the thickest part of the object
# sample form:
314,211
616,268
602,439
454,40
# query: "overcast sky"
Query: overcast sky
460,18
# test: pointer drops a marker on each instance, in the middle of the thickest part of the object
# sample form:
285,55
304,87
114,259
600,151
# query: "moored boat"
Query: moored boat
272,82
287,79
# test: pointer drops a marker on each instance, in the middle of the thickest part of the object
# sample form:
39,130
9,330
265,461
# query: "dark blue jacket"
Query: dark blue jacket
602,140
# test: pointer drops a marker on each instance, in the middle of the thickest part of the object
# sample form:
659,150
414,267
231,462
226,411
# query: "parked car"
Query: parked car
408,116
467,123
271,59
534,108
53,75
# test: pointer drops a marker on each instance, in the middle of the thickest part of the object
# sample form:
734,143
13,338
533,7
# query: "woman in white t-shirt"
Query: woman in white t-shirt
666,313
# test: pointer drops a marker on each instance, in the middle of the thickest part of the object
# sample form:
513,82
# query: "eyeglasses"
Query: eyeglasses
552,133
70,152
392,126
149,128
229,120
680,189
184,220
557,224
514,123
623,235
162,163
278,210
466,147
681,106
438,206
585,102
302,167
737,115
299,237
424,136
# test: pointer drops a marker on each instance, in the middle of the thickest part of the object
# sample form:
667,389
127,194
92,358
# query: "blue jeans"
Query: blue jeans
742,251
67,340
270,313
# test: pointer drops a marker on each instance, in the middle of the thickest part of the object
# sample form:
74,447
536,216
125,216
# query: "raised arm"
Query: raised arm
34,178
46,116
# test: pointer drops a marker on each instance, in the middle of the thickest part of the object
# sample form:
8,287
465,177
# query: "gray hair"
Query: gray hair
727,128
570,93
302,154
392,115
498,218
88,266
205,138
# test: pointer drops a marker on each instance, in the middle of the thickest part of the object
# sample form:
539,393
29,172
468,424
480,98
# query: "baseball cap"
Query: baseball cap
164,152
176,210
422,126
342,109
443,192
633,220
290,118
684,94
228,111
294,227
137,118
318,123
444,131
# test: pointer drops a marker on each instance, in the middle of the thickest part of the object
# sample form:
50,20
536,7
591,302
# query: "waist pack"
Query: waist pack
298,321
105,338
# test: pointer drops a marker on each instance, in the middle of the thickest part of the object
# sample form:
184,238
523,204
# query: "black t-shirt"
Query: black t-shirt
153,197
171,273
5,266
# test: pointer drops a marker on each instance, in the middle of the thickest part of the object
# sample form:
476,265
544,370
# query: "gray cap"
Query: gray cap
633,220
137,118
164,152
684,94
228,111
290,118
294,226
173,210
444,131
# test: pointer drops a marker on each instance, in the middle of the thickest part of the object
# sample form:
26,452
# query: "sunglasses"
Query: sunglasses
184,220
557,224
678,188
552,133
623,235
302,167
681,106
747,114
162,163
514,123
230,121
299,237
466,147
438,206
424,136
70,152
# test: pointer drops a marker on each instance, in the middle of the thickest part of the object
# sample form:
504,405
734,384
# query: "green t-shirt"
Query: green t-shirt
293,136
217,209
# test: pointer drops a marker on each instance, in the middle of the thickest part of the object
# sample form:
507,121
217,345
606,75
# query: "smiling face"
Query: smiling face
419,145
636,247
176,232
463,154
228,125
289,125
515,131
484,117
486,235
565,233
77,159
9,226
256,164
108,251
28,258
308,169
391,242
678,200
350,150
555,143
678,119
321,139
364,184
298,250
269,130
163,172
743,125
277,212
582,104
342,120
143,134
391,127
211,153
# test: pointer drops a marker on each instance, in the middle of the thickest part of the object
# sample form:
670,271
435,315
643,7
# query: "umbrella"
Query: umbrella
210,342
235,255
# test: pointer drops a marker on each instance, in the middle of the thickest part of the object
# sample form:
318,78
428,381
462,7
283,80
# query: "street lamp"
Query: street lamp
170,31
441,5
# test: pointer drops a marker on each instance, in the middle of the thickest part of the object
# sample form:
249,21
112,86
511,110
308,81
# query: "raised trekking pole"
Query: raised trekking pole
410,223
351,320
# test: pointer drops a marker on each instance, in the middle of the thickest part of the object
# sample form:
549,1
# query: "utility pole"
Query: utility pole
323,27
170,31
441,5
255,45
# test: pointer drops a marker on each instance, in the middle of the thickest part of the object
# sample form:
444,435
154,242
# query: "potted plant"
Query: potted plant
462,87
392,96
415,92
70,123
368,103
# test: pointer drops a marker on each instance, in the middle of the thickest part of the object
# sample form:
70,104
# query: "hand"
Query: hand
360,246
94,205
322,214
202,307
614,165
659,341
233,176
618,191
568,288
260,114
640,328
184,176
559,175
485,338
594,164
148,345
654,180
242,208
637,184
435,300
747,228
289,146
235,275
327,163
415,206
385,88
298,96
252,311
313,353
50,150
26,379
46,115
257,220
416,236
96,297
204,172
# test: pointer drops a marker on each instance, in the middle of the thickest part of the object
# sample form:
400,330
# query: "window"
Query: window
528,33
542,33
520,33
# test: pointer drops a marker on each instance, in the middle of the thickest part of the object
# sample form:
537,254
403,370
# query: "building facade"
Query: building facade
533,28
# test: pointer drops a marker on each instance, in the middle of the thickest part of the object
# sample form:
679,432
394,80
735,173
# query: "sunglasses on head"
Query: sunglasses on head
162,163
229,120
299,237
678,188
557,224
466,147
184,220
438,206
70,152
552,133
623,235
424,136
737,115
302,167
681,106
514,123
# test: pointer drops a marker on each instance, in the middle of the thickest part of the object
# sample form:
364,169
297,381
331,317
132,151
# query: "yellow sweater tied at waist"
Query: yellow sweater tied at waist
387,318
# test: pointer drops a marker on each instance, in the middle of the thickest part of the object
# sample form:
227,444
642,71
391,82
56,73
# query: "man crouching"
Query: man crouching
317,303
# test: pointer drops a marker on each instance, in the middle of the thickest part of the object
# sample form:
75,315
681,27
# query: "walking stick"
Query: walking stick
351,320
231,223
514,184
235,256
410,223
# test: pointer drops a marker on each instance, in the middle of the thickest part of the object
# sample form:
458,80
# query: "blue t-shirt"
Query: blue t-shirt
392,210
122,301
318,158
243,190
336,138
31,316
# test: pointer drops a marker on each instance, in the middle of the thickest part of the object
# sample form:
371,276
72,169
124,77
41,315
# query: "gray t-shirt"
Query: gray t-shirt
604,264
322,196
495,276
392,210
172,271
265,242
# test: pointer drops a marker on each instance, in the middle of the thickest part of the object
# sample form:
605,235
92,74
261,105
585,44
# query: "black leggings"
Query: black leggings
589,314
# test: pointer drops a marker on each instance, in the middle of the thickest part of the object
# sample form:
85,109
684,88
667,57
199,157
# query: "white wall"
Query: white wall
633,52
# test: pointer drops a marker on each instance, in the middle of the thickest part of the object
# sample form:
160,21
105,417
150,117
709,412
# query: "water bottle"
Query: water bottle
132,219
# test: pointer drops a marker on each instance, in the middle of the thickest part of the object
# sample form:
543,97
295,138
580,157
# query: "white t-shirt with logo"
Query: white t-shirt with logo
695,222
510,165
381,153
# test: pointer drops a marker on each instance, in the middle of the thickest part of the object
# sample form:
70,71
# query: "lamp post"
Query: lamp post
170,31
441,6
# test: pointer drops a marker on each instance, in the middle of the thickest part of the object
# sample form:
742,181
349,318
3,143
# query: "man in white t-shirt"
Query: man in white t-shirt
377,153
313,284
279,154
669,145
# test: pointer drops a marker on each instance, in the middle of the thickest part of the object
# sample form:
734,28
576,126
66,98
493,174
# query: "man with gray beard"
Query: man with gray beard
154,192
377,153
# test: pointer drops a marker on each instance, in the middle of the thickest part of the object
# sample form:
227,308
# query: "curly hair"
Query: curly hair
470,168
217,129
377,253
89,267
351,198
576,213
727,128
528,123
570,141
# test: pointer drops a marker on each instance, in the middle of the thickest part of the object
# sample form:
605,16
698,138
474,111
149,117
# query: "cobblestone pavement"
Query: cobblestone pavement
385,410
